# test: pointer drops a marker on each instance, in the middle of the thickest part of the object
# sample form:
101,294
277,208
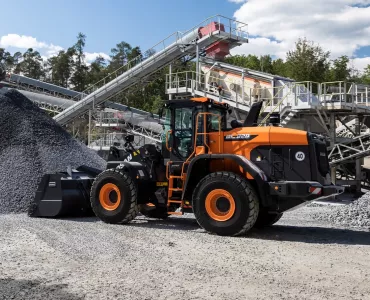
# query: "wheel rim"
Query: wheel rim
220,205
110,196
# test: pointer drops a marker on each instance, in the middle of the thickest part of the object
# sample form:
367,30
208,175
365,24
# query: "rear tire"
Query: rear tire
225,204
113,197
266,219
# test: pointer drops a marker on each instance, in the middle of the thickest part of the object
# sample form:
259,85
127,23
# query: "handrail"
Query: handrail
204,114
179,36
277,105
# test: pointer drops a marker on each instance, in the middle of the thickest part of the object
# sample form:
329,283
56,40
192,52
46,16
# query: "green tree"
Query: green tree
366,75
6,59
79,77
249,62
266,64
120,56
279,67
32,64
97,70
340,70
61,67
308,62
17,58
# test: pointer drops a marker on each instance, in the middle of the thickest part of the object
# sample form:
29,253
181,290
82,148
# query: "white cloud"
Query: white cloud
47,50
237,1
25,42
361,63
340,26
90,57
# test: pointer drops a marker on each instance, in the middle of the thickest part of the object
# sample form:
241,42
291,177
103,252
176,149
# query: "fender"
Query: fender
248,166
136,170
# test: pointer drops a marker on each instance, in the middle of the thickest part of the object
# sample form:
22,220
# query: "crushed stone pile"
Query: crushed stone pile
356,214
32,144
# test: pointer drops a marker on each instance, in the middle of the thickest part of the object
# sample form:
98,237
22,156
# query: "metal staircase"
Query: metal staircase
174,47
291,114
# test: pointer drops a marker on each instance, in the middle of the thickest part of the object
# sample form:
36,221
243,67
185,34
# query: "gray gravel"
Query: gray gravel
299,258
32,144
356,214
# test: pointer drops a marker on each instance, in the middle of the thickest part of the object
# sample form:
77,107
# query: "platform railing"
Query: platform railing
233,90
345,92
227,25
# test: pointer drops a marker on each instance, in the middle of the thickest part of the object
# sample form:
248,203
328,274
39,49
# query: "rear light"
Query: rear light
315,190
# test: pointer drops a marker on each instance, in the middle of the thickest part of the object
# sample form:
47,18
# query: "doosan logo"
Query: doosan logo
128,158
239,137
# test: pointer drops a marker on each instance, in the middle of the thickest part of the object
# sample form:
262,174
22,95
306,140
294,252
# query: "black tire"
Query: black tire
154,212
244,198
266,219
127,208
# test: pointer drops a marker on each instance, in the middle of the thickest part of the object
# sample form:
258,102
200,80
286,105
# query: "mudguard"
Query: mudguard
248,166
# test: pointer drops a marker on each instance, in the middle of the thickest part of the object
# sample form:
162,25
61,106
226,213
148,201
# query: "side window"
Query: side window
214,120
184,131
166,123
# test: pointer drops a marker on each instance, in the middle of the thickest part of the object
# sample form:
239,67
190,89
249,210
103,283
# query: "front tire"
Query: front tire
113,197
225,204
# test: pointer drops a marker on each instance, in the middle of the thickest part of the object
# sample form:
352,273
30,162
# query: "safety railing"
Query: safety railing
231,27
342,92
107,139
112,117
233,90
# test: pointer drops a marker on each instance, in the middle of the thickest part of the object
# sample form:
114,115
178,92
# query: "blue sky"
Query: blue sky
106,23
340,26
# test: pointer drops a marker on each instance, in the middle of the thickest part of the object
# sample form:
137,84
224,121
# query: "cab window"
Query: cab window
215,121
183,131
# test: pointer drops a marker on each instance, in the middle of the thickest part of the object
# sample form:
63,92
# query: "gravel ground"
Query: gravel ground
356,214
32,144
299,258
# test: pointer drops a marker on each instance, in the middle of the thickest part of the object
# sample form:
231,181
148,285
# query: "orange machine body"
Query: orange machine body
241,141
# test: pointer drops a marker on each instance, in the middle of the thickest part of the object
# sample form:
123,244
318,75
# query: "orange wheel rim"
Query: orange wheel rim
220,205
110,196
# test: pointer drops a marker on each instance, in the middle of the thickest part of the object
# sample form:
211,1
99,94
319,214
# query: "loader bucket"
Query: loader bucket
64,194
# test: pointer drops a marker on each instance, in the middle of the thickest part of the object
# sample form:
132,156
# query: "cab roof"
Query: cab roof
195,102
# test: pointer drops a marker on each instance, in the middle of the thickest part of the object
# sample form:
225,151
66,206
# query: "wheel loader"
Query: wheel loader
232,176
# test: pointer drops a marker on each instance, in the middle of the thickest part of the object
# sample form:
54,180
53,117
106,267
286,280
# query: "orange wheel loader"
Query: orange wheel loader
232,177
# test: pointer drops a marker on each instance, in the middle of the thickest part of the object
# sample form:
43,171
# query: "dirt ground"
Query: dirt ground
298,258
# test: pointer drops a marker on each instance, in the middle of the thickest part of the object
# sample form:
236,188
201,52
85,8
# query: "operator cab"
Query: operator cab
182,118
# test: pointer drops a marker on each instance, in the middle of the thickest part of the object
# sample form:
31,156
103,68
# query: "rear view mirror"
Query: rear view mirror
129,138
160,113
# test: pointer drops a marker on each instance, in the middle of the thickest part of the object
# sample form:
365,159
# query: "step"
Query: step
178,213
175,189
174,201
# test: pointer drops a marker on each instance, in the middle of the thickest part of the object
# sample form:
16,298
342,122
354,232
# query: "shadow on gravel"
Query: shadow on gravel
314,235
27,290
182,224
82,219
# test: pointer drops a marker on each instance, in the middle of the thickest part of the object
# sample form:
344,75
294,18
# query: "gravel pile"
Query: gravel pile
356,214
32,144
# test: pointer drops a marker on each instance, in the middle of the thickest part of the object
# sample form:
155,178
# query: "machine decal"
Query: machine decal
239,137
161,183
129,158
300,156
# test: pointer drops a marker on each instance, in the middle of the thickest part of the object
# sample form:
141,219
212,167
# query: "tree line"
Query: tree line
307,62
